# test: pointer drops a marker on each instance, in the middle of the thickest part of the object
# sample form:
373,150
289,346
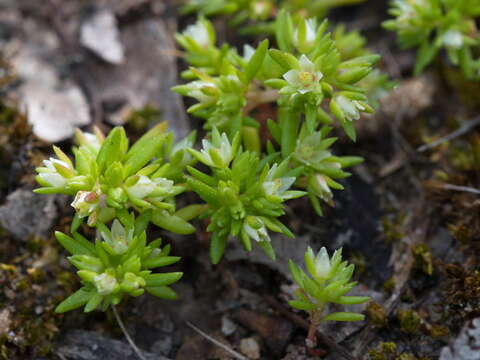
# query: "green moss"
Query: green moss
389,285
392,226
384,351
376,314
423,258
438,331
409,320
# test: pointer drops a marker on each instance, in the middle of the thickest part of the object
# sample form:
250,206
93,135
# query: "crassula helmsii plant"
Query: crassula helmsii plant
316,87
327,282
433,25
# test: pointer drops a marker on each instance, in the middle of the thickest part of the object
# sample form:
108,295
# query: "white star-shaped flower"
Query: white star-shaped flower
306,79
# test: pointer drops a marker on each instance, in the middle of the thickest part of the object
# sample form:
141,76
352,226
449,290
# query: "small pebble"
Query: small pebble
250,348
228,326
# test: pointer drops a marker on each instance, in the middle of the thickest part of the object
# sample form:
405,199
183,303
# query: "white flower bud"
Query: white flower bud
310,35
53,179
105,283
259,233
322,264
452,39
199,33
142,188
351,108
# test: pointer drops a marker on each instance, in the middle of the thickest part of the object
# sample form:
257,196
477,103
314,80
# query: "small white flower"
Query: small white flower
92,141
452,39
51,176
324,191
311,33
85,203
198,32
142,188
49,164
248,52
119,239
278,186
145,186
351,108
260,9
105,283
53,179
322,264
196,92
224,151
306,79
259,234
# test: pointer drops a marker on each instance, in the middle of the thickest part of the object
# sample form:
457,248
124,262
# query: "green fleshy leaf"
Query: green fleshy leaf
217,248
157,280
172,223
344,316
77,246
256,62
351,300
302,305
163,292
113,148
159,261
77,299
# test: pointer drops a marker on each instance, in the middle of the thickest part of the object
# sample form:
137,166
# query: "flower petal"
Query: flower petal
293,78
306,65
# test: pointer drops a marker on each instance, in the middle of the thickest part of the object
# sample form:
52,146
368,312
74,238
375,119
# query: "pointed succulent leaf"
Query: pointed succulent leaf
256,61
344,316
77,299
163,292
302,305
78,246
172,223
352,300
156,280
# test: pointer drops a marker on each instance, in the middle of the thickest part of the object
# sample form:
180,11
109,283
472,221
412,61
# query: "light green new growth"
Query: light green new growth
327,281
432,25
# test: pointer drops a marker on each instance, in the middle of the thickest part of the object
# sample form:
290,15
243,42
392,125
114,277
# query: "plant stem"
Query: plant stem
126,334
255,98
311,340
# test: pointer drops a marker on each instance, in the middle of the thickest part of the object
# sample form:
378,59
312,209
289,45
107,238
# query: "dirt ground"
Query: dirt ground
408,217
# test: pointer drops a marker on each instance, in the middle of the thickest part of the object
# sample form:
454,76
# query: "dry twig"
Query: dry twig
232,352
126,334
465,128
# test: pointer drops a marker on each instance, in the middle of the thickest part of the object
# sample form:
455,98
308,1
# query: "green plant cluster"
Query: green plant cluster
312,83
118,263
433,25
244,195
107,176
316,82
327,281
